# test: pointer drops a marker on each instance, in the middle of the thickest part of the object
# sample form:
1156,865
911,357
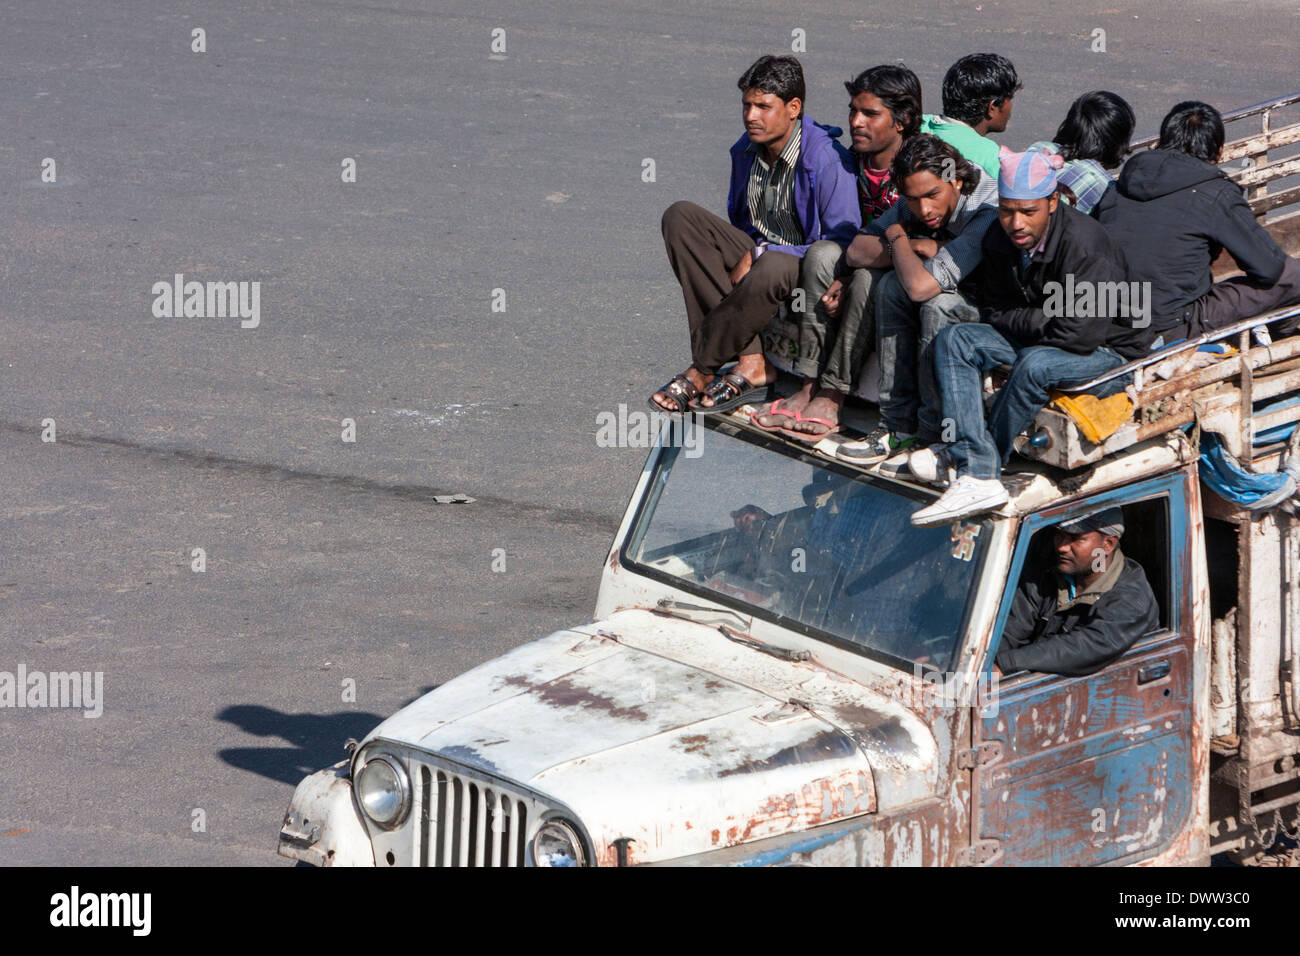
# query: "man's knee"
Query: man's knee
893,306
958,342
1039,367
675,215
859,283
775,273
820,262
945,310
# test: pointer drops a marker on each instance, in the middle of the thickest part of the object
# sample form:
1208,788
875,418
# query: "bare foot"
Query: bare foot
696,378
825,406
787,408
753,368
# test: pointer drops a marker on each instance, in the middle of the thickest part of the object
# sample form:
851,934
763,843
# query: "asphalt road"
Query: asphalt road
329,561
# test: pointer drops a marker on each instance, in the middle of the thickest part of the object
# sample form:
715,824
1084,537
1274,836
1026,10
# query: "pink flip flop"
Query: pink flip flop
773,410
811,438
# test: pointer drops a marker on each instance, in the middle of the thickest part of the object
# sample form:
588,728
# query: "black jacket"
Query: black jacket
1078,247
1172,214
1083,638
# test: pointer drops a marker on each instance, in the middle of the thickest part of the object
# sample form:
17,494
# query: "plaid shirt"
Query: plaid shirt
1086,178
770,194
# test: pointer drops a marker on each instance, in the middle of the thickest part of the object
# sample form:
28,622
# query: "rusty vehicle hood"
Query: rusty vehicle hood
681,752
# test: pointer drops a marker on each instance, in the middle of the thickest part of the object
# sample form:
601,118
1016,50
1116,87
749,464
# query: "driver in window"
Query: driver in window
1084,613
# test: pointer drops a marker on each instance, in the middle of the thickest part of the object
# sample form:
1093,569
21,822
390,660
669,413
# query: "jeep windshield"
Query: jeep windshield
756,525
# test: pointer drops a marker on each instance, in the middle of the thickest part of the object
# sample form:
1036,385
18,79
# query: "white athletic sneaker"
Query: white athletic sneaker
932,465
967,496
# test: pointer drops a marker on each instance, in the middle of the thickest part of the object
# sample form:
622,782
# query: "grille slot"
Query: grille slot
465,822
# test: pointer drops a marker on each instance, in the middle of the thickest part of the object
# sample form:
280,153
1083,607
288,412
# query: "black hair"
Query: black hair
975,81
1098,126
897,87
924,152
782,76
1194,128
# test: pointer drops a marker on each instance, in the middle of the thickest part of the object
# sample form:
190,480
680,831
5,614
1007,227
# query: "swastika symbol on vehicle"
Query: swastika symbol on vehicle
964,534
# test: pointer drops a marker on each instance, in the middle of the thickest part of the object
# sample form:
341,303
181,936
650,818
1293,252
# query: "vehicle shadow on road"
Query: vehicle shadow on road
316,740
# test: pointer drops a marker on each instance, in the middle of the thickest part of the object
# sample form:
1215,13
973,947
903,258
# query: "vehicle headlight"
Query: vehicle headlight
384,791
558,844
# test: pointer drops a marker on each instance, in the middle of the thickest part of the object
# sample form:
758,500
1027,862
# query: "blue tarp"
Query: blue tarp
1255,492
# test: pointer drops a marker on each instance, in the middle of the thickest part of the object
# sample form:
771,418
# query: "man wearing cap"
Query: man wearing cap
1038,249
1084,614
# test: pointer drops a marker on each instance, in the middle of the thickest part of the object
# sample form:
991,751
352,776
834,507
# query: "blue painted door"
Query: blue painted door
1097,769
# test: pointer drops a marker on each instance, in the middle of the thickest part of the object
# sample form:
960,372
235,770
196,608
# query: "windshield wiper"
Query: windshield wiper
672,607
784,653
669,606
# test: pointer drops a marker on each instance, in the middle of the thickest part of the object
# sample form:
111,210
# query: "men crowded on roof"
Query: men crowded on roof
837,326
1039,249
1173,210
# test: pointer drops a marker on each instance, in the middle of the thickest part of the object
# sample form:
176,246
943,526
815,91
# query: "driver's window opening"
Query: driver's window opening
823,550
1146,541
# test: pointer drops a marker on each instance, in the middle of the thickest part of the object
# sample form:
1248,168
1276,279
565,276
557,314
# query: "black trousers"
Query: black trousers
1240,298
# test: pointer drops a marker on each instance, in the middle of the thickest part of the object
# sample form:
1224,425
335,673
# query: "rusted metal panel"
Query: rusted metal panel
1191,847
1158,456
1093,769
1109,768
928,834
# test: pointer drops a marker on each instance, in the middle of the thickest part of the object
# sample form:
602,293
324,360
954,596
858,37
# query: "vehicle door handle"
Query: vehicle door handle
1153,672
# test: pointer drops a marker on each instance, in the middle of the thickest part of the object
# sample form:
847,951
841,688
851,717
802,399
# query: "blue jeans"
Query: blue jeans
905,331
964,353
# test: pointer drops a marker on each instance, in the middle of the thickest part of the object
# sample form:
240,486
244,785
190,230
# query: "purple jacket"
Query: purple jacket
825,188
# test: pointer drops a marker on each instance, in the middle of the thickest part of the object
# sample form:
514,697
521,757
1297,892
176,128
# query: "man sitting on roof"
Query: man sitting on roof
792,183
952,203
1039,248
1084,614
1092,139
1173,210
978,91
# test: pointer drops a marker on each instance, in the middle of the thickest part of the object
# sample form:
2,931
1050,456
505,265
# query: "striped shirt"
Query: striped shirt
770,194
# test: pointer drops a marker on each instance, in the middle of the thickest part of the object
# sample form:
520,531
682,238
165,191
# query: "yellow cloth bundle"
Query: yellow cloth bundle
1096,418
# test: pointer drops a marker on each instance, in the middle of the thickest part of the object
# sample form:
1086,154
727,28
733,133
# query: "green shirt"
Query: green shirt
972,146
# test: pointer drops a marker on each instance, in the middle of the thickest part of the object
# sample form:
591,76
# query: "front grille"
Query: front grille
464,822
